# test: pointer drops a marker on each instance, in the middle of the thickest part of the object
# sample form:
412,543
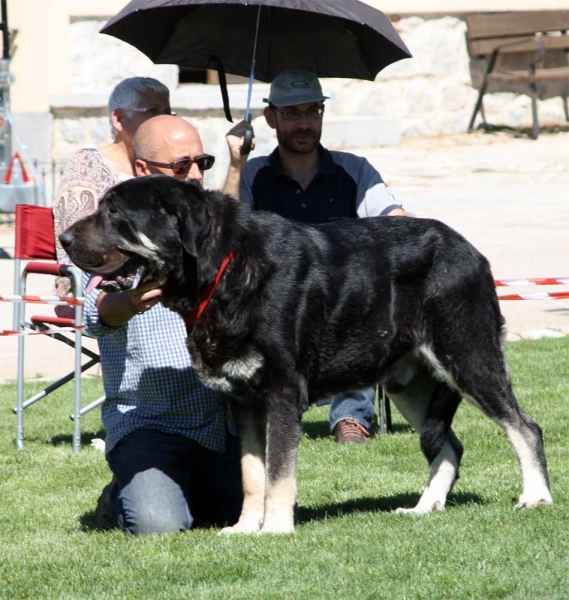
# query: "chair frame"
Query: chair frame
44,250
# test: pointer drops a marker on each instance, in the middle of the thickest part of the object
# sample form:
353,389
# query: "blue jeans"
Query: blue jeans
357,405
166,483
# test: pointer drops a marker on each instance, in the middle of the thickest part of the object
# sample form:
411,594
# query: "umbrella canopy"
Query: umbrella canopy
332,38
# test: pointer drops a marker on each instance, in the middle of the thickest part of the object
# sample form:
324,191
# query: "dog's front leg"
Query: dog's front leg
283,438
252,427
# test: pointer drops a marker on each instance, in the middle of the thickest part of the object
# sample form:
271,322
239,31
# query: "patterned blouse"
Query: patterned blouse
86,178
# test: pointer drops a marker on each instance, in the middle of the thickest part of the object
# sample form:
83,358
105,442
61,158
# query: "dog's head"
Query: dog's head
145,229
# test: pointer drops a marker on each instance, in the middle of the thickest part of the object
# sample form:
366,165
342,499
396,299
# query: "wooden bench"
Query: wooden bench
523,52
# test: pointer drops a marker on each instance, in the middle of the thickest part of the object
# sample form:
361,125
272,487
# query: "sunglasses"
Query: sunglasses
293,114
181,167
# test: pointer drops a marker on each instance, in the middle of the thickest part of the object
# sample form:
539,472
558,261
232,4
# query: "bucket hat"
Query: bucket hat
295,86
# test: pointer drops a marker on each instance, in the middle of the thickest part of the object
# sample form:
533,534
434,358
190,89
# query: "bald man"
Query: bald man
169,145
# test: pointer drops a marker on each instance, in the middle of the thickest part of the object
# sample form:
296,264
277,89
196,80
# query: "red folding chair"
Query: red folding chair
35,242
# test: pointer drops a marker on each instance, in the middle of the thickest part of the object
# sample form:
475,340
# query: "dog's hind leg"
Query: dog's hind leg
492,393
483,380
429,406
527,438
252,425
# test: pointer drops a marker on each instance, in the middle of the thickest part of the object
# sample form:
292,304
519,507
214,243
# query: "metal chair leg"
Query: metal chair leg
384,412
20,396
77,395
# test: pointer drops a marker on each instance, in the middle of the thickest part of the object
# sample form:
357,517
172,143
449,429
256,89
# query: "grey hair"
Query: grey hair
128,93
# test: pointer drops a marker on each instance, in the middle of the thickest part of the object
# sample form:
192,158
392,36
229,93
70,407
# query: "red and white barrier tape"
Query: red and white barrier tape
5,332
536,296
70,300
532,281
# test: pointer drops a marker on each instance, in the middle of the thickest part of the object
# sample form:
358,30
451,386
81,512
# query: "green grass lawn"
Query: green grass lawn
349,544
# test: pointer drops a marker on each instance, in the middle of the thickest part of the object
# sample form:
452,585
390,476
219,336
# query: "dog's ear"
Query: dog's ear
194,222
195,225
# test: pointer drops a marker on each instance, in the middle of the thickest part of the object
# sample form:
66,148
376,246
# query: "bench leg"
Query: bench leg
478,107
483,114
535,122
565,107
482,90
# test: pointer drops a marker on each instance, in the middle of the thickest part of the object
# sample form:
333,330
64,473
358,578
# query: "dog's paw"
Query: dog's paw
238,530
421,510
243,527
277,530
522,503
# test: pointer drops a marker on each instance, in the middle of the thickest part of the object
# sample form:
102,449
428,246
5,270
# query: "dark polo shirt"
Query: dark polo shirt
345,187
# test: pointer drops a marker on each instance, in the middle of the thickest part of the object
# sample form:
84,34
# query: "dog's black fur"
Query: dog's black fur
303,312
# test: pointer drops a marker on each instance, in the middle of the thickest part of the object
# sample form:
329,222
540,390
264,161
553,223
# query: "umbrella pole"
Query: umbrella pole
253,61
248,135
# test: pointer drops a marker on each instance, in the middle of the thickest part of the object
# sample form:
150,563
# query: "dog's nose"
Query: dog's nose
66,239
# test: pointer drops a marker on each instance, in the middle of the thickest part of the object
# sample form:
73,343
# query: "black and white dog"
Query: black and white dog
281,314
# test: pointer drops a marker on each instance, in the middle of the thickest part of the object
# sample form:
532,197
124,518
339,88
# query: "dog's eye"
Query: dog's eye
112,210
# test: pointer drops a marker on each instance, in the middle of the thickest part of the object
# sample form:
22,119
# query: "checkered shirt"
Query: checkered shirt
149,382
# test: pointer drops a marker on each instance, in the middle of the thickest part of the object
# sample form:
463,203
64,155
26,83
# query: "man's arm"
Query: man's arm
374,198
399,212
237,161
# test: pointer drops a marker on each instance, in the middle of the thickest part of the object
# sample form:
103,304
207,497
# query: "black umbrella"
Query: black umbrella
261,38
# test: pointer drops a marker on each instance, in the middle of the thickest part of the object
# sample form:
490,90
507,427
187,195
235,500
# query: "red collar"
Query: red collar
207,295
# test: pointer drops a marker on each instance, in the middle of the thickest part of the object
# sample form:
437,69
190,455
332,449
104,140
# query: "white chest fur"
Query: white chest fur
232,373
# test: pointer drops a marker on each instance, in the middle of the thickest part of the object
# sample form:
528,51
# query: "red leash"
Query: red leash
207,295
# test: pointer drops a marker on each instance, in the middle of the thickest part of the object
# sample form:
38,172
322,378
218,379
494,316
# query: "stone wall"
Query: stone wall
428,95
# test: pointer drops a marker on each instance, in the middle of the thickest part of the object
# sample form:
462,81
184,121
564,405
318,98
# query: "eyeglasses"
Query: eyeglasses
181,167
152,111
293,114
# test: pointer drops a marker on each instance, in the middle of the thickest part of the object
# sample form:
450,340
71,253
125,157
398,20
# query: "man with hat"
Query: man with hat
302,180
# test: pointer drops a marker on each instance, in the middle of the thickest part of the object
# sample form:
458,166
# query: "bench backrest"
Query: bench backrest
488,30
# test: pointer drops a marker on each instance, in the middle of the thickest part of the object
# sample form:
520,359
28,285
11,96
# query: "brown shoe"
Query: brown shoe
351,431
103,514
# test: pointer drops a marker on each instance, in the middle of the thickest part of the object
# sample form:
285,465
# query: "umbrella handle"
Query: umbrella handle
247,142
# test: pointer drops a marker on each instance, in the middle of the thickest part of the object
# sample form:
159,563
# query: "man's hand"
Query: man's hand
237,161
143,298
234,139
119,307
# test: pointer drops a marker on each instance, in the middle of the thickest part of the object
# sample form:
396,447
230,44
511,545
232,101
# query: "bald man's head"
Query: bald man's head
167,139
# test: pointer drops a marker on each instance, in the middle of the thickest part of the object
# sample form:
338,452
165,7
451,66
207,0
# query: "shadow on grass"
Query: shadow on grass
88,522
314,430
86,437
337,510
371,505
66,438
